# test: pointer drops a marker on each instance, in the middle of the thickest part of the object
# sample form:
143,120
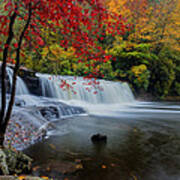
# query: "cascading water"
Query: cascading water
106,92
20,86
34,116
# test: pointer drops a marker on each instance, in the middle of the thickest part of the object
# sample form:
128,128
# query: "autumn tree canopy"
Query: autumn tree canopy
78,21
157,22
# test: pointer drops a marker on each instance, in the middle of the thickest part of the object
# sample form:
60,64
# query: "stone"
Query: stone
99,138
3,165
12,162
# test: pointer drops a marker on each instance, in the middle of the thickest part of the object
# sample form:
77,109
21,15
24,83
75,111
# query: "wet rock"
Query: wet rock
77,110
19,102
12,162
30,79
49,113
99,138
60,110
33,84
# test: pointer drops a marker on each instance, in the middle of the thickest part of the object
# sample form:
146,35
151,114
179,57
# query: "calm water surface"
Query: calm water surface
143,144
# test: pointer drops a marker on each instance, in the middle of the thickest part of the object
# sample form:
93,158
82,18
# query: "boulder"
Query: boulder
12,162
3,164
99,138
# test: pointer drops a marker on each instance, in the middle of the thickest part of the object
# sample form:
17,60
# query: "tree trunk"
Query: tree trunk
15,73
1,139
3,75
3,66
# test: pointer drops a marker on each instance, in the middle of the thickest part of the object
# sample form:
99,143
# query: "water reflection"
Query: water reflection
140,155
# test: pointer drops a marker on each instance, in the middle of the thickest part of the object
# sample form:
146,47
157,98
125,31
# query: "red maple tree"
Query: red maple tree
79,21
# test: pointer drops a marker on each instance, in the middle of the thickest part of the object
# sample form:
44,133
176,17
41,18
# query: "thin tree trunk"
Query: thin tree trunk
15,73
3,74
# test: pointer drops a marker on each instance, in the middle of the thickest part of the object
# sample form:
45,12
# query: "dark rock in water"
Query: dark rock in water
33,85
99,138
12,162
19,102
60,110
28,76
31,80
49,113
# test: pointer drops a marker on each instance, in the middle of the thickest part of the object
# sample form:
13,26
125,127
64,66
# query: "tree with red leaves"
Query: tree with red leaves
79,21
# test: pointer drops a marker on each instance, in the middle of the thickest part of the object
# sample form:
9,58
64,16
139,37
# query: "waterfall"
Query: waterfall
83,90
20,85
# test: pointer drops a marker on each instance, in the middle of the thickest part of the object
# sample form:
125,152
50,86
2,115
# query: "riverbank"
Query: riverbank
143,96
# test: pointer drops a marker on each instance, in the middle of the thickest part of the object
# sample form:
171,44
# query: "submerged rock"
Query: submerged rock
19,102
13,162
99,138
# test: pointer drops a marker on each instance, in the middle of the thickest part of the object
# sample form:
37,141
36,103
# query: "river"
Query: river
143,138
143,142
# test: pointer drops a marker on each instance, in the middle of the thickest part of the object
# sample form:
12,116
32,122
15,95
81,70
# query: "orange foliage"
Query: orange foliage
157,23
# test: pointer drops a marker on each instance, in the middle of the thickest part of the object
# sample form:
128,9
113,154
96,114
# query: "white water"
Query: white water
20,85
105,93
38,113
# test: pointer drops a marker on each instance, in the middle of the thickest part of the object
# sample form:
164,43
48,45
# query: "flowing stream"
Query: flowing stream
143,138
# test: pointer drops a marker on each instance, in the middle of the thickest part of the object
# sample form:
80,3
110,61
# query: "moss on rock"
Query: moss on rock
12,162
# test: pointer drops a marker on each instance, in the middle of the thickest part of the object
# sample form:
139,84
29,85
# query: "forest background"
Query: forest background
147,54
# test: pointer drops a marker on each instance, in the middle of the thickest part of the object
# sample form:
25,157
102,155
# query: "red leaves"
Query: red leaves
15,45
6,45
95,92
101,38
81,27
40,41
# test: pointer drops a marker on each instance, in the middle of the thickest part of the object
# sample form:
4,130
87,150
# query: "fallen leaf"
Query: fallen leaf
113,165
52,146
35,168
79,166
21,177
78,160
103,166
44,177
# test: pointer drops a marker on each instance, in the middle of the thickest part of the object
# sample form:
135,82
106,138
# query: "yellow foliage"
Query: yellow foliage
45,51
117,6
153,22
56,52
137,70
